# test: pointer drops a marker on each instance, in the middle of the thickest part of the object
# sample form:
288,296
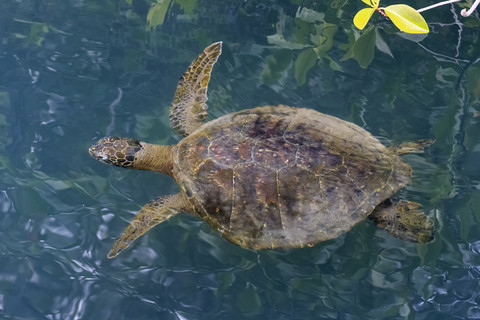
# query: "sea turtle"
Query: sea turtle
271,176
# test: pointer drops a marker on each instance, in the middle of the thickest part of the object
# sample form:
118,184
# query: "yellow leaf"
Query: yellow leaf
361,18
372,3
406,18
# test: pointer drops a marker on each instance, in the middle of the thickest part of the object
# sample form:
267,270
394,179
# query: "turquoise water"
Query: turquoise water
73,71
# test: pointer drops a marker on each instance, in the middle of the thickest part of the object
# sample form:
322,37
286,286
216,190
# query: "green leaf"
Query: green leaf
361,18
309,15
324,36
280,42
305,61
364,48
406,18
187,5
382,45
156,14
275,66
347,55
332,63
37,31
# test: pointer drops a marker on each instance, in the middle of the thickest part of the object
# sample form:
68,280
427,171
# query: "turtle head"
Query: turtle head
133,154
120,152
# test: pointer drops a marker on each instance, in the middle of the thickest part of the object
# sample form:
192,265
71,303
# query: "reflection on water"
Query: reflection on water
73,71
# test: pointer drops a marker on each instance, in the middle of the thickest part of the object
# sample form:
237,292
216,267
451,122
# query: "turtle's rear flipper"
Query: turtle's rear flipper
411,146
404,220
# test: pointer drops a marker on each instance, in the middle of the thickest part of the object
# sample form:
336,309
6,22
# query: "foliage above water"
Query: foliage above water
404,17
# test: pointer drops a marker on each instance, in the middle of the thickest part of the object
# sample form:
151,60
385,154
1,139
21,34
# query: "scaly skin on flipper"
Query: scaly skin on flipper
189,107
153,213
404,220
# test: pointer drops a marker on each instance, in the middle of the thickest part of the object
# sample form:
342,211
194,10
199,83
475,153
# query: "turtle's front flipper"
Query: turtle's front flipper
189,107
153,213
404,220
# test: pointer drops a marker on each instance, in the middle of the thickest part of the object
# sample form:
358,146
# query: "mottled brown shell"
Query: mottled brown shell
283,177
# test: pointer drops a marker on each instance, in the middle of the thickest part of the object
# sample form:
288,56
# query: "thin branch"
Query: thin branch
466,13
440,4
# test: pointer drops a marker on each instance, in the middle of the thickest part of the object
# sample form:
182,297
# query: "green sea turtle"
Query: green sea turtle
269,177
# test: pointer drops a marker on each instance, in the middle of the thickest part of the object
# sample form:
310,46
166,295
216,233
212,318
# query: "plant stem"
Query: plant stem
442,4
466,13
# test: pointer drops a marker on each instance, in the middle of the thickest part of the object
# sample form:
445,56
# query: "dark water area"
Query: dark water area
73,71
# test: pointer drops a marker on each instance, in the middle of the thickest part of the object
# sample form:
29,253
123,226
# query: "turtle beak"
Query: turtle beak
97,152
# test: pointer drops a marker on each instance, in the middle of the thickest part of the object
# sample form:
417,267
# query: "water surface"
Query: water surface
73,71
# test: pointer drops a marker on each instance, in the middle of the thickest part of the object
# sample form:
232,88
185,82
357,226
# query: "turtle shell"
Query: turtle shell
283,177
